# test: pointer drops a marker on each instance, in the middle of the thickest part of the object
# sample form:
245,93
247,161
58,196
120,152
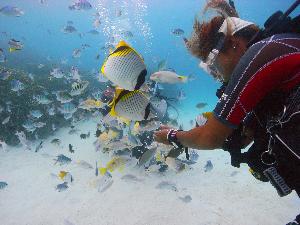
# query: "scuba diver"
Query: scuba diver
259,100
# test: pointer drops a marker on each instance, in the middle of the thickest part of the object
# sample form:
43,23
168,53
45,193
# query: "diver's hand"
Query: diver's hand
161,135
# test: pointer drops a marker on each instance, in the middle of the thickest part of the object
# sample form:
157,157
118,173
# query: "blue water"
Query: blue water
40,30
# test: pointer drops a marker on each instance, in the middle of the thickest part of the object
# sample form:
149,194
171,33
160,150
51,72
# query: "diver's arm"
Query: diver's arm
209,136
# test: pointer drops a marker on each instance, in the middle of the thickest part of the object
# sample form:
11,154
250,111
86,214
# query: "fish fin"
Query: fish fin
112,104
12,49
183,78
122,43
102,170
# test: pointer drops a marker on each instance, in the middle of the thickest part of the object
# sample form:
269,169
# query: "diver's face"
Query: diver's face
227,61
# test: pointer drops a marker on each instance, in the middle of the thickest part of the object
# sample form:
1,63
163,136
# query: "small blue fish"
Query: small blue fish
3,185
62,160
94,32
208,167
62,187
186,198
11,11
178,32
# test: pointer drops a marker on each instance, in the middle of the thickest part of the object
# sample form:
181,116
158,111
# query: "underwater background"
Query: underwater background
149,27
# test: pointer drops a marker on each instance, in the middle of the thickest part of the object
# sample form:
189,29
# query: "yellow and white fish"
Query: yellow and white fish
131,105
125,67
115,163
168,77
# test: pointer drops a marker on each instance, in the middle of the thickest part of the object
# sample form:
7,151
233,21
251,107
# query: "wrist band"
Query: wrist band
171,136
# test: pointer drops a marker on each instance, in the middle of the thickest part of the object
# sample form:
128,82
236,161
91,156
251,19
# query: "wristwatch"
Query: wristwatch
171,136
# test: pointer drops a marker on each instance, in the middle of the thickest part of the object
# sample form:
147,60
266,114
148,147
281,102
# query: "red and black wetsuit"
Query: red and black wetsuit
263,82
272,64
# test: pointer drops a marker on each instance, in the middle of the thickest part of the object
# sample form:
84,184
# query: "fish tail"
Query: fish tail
183,78
12,49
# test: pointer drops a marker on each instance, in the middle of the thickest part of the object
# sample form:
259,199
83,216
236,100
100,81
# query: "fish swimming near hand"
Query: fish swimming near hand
131,105
125,67
168,77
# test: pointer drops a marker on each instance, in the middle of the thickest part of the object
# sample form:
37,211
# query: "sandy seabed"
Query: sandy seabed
225,195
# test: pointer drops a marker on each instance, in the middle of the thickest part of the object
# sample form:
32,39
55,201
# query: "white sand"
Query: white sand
217,198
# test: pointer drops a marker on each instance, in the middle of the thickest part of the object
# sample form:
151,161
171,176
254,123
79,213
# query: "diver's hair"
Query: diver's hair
222,7
204,37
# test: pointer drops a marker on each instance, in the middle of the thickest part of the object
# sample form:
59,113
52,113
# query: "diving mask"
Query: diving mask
232,25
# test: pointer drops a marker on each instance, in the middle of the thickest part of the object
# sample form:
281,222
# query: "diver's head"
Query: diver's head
220,42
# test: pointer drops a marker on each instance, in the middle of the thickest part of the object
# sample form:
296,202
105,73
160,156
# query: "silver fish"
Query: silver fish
6,120
167,185
11,11
36,113
42,99
57,73
16,85
78,88
68,108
